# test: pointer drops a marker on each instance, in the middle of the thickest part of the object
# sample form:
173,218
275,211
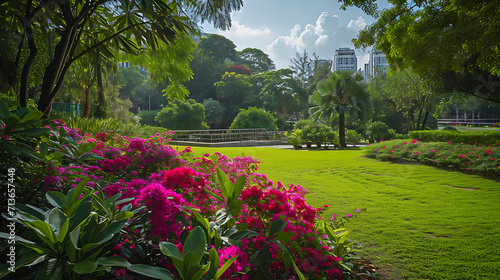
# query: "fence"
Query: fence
66,109
462,121
239,137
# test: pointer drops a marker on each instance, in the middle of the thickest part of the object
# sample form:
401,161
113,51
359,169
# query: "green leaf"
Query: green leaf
44,149
224,183
277,225
238,186
85,267
195,242
152,271
110,230
57,199
224,268
171,250
114,261
4,110
77,191
197,274
124,215
214,263
292,258
243,234
81,214
34,132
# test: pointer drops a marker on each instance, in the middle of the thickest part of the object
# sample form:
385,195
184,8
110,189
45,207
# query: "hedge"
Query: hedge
479,138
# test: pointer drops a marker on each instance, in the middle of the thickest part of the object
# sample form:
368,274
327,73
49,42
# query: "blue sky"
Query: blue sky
281,28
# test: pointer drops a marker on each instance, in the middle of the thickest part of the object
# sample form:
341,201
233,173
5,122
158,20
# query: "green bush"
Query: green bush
379,131
469,158
302,123
148,117
319,133
254,117
352,137
182,114
449,128
455,136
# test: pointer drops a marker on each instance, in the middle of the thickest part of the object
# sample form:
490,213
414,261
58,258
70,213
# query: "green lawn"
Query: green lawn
421,222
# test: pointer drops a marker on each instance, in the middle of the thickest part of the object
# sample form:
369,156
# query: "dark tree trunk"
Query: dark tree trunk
23,93
419,117
56,70
425,119
342,129
101,102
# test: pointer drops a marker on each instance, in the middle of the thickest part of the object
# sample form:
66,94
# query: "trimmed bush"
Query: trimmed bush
254,117
182,114
379,131
148,117
482,137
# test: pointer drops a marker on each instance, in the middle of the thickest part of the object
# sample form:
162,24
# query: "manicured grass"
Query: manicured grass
421,222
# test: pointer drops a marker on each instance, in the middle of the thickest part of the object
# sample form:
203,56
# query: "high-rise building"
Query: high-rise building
378,63
345,59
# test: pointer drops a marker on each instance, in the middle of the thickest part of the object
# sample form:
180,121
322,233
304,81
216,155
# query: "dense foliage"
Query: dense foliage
469,158
254,117
182,114
482,138
122,207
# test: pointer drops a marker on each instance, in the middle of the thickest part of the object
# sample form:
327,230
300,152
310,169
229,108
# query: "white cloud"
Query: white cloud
241,31
322,38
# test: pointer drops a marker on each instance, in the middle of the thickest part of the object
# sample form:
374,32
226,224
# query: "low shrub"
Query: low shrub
455,136
148,117
379,131
254,117
473,159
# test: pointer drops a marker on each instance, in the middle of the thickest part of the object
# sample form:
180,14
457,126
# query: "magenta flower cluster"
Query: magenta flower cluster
167,185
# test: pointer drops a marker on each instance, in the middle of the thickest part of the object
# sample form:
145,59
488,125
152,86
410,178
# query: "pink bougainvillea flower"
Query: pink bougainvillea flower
348,215
357,210
333,218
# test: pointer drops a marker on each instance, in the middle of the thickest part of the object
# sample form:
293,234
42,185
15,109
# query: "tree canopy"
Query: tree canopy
100,28
450,44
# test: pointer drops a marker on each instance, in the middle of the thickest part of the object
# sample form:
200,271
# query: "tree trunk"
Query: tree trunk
419,117
342,129
86,107
101,102
23,93
425,119
55,71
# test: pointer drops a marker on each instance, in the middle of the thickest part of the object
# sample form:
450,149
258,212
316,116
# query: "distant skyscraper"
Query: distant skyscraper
345,59
378,63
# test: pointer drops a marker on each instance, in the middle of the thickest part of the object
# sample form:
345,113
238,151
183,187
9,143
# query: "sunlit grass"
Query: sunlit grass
421,222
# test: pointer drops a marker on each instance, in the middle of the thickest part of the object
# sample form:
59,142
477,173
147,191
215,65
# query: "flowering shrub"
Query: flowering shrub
475,158
252,228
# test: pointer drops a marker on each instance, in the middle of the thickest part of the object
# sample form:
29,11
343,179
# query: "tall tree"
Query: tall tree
128,25
256,60
450,44
302,65
340,93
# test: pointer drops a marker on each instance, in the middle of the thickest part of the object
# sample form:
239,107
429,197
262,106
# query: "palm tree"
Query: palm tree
340,93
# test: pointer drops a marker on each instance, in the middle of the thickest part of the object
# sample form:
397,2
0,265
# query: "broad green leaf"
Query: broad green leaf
195,242
77,191
57,199
124,215
52,269
277,225
56,219
225,183
243,234
114,261
214,263
238,186
224,268
34,132
292,258
152,271
171,250
110,230
4,110
81,214
197,274
84,267
44,149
